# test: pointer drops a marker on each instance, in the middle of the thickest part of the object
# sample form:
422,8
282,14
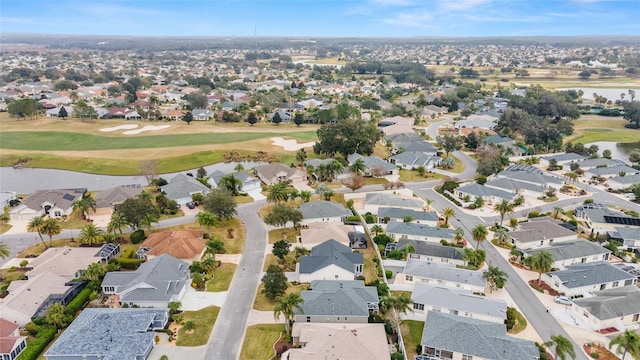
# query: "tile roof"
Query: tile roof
181,244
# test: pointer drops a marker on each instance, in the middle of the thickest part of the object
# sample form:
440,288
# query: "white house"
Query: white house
583,279
419,271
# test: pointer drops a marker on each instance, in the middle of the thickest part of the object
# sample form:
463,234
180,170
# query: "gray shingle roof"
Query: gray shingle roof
529,175
432,249
397,227
627,233
446,272
613,170
600,272
386,199
479,338
572,249
508,184
117,195
110,334
415,159
371,162
323,209
540,229
589,163
400,213
332,297
458,299
62,198
612,303
476,189
182,186
627,179
328,253
155,280
566,157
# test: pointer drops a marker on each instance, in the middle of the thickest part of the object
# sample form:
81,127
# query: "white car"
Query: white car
563,300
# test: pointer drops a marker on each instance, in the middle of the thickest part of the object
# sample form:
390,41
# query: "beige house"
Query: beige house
185,245
108,200
319,232
66,262
277,173
55,203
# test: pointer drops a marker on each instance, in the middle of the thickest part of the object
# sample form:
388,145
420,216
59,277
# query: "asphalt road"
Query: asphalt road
226,339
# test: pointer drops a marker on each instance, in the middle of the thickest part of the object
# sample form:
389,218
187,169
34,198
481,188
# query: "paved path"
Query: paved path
228,332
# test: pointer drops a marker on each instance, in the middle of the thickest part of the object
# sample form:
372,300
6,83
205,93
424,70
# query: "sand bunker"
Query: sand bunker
146,128
119,127
291,145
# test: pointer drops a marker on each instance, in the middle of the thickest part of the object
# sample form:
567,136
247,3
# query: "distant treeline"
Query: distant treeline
402,72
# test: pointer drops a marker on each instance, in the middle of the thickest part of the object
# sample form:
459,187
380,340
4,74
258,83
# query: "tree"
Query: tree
513,223
394,305
188,117
563,347
429,202
189,325
504,207
90,233
346,137
138,211
281,249
174,307
274,282
298,119
355,181
501,235
635,189
95,271
278,192
495,278
207,220
231,183
63,113
280,215
51,227
85,205
634,157
212,248
56,317
606,154
23,107
479,234
5,251
287,307
117,223
35,224
448,213
627,342
305,195
632,111
148,169
221,203
252,119
449,143
358,166
201,173
542,261
276,119
376,229
458,235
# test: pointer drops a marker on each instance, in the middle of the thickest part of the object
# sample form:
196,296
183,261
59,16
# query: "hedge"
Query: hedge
455,201
130,264
37,346
137,236
78,302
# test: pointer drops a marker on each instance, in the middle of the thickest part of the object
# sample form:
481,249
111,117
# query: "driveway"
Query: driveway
195,300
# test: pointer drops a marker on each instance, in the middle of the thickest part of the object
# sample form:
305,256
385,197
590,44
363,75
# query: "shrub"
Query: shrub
24,263
444,242
512,315
573,222
137,236
382,239
32,328
355,218
448,185
369,219
78,302
388,274
481,179
130,264
37,346
595,354
533,214
397,356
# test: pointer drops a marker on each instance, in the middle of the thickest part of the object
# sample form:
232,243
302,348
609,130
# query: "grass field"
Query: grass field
222,277
599,128
259,341
263,304
412,335
203,320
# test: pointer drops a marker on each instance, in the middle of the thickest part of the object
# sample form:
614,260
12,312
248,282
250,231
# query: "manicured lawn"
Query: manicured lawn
264,304
400,292
375,181
259,341
4,228
412,335
369,253
289,262
521,324
409,176
222,277
458,167
598,128
235,244
203,320
289,234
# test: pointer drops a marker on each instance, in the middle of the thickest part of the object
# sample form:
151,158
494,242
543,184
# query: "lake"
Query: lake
618,150
609,93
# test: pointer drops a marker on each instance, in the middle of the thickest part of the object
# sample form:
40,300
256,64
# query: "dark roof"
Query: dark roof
432,249
401,213
397,227
572,249
333,297
328,253
612,303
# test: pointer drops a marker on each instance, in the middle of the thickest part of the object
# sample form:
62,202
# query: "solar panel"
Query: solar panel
622,220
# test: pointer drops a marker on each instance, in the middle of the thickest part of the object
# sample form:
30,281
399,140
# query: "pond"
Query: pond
618,150
612,94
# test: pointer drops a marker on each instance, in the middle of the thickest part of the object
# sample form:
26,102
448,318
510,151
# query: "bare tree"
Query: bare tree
148,169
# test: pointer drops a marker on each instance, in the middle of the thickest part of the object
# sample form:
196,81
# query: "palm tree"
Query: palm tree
214,247
358,166
328,194
117,223
458,234
207,220
448,213
479,234
90,234
393,306
287,307
495,278
557,211
278,192
5,251
376,229
334,168
563,347
51,227
504,207
467,255
628,342
515,254
513,223
542,261
429,202
501,235
94,271
238,168
231,183
305,195
35,224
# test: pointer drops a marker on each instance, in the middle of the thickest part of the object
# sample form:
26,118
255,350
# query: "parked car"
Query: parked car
191,205
563,300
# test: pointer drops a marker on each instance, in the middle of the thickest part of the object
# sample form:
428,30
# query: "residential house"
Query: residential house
388,214
173,114
181,187
563,160
582,279
11,342
318,232
396,124
156,283
338,341
337,301
611,171
249,183
628,236
623,182
6,197
568,253
108,200
460,302
540,232
597,163
413,160
31,298
401,230
229,106
611,308
374,166
316,163
202,114
55,203
285,116
66,262
322,211
517,187
276,173
429,251
185,245
125,334
477,121
330,260
505,142
373,201
532,175
474,339
599,219
472,191
440,274
410,142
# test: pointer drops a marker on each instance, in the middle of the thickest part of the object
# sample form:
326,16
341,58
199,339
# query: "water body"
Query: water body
609,93
27,180
618,150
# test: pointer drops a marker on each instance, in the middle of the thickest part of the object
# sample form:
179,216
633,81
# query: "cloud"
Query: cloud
446,5
392,2
106,9
420,19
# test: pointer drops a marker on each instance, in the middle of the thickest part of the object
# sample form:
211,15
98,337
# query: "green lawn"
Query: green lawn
69,141
599,128
412,335
259,341
264,304
203,320
222,277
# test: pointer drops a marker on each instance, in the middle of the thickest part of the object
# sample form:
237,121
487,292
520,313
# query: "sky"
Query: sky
323,18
